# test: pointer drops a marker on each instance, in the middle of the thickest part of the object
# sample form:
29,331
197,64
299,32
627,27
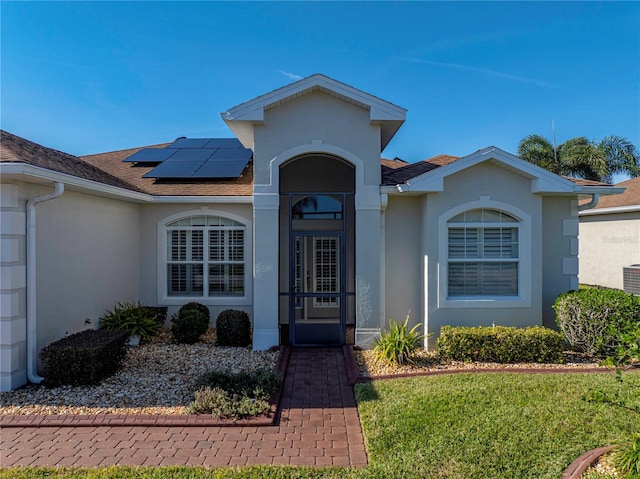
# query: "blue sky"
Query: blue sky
92,77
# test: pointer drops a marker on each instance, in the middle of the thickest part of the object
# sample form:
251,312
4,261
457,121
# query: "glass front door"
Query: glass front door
317,296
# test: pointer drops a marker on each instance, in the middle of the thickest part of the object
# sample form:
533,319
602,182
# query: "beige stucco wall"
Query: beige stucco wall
559,251
404,259
468,186
608,243
150,218
311,117
87,260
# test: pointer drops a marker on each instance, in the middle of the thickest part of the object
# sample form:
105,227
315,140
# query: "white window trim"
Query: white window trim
523,299
163,297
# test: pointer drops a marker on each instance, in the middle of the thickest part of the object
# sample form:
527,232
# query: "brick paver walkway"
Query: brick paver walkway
318,426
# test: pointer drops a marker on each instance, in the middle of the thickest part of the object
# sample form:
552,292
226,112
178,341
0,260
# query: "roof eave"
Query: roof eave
18,171
35,174
610,210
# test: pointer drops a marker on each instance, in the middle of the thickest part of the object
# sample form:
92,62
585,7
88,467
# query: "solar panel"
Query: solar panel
220,169
191,154
223,143
197,158
189,143
151,155
232,154
174,169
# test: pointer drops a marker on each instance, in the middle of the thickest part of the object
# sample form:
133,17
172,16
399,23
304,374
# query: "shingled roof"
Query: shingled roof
112,162
15,149
403,174
631,196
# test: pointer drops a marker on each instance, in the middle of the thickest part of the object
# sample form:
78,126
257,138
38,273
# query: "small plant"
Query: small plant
189,323
233,328
398,343
235,395
220,403
258,384
626,457
132,317
159,313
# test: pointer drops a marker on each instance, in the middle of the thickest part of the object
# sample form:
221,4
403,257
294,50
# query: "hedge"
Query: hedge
501,344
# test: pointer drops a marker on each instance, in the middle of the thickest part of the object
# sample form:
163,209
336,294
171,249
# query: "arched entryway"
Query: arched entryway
317,263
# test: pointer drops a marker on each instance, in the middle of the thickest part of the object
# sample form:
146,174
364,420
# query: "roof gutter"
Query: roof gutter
592,204
32,344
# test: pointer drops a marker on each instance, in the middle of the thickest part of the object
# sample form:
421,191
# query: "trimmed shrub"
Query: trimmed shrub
594,321
133,317
501,344
201,308
159,313
84,358
188,324
398,343
235,395
233,328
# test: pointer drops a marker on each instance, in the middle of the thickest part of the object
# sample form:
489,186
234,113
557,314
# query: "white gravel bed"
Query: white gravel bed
156,378
424,361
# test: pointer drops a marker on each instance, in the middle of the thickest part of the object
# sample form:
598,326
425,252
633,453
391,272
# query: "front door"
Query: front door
317,299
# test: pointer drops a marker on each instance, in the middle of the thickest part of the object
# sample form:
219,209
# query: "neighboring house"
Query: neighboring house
610,238
302,225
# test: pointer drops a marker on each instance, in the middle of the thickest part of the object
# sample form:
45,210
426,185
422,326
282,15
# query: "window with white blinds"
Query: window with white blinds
483,254
205,257
326,268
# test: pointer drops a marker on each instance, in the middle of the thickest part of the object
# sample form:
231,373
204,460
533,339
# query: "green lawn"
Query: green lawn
458,426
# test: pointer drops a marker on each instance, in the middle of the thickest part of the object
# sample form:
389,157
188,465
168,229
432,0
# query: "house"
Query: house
302,225
610,239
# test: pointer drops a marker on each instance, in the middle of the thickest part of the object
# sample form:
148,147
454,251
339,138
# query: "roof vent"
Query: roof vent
631,279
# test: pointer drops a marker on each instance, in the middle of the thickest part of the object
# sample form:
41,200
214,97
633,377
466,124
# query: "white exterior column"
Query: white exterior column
369,314
265,270
13,269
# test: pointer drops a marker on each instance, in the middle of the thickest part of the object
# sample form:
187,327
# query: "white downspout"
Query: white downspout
592,204
32,343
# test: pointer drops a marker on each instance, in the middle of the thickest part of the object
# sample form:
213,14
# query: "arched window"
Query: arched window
205,257
483,254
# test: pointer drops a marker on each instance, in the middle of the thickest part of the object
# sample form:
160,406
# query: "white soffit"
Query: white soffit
241,118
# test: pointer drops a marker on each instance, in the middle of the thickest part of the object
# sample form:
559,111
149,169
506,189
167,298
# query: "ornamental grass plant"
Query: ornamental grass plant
398,343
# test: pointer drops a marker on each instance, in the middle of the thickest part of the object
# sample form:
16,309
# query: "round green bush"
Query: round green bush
201,308
188,324
233,328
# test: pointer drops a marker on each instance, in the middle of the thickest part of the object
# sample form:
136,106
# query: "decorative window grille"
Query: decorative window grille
298,269
326,267
483,254
205,257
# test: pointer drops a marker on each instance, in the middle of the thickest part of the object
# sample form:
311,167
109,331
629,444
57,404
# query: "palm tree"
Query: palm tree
583,158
